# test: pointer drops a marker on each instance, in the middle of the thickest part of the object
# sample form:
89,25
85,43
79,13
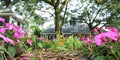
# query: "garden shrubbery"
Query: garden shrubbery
102,45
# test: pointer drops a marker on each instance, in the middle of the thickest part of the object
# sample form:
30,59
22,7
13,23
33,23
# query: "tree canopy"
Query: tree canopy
95,13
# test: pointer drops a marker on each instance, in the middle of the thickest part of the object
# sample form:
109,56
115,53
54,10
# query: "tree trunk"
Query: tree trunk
57,22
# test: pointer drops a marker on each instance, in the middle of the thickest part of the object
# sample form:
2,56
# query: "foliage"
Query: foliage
67,44
10,38
106,50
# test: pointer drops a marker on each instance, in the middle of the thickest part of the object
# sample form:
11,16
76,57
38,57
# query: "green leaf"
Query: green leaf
33,58
11,51
62,48
1,57
1,48
29,49
99,58
40,45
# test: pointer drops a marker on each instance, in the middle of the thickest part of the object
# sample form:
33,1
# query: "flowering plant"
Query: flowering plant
10,36
102,45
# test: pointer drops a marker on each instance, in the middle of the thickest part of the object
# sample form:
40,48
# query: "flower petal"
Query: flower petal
2,20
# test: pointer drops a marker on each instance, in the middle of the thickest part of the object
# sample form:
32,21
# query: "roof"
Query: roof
8,12
81,28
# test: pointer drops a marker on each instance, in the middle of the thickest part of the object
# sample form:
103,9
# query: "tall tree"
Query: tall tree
58,6
96,12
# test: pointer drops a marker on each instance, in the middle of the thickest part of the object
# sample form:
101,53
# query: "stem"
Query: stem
4,56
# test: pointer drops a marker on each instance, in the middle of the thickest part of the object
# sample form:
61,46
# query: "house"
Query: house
10,17
78,29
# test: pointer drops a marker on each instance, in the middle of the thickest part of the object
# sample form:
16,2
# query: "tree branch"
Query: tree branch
88,14
96,25
99,12
57,3
96,15
49,13
46,1
64,15
63,5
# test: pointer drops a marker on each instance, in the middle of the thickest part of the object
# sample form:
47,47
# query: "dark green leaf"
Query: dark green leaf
99,58
1,57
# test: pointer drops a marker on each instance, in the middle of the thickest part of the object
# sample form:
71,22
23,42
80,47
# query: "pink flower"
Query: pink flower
7,39
30,42
87,40
18,41
112,29
112,35
2,20
15,27
54,38
10,40
4,38
21,31
104,39
99,39
26,58
42,38
3,30
97,29
17,35
9,26
83,59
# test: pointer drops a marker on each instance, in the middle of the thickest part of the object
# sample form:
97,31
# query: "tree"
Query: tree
25,10
58,6
96,12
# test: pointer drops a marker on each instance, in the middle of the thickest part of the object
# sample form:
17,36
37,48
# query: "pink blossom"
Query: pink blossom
17,35
83,59
3,30
10,40
100,38
26,58
21,31
9,26
97,40
30,42
97,29
2,20
18,29
112,29
4,38
42,38
18,41
104,39
54,38
87,40
112,35
15,27
7,39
